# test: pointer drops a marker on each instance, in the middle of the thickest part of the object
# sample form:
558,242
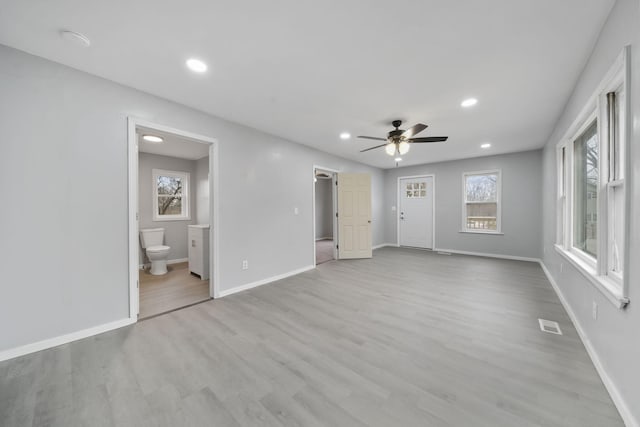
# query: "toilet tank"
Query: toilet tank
151,237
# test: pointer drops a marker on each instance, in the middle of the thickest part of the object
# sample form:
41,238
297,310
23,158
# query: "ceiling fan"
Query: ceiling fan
399,141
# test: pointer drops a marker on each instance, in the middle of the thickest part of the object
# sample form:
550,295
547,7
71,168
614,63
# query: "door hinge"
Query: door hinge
337,246
137,284
336,214
336,182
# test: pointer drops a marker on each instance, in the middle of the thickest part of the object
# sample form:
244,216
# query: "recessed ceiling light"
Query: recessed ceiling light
152,138
398,159
76,38
345,135
469,102
196,65
485,145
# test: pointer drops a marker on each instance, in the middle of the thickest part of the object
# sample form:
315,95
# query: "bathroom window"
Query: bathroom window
170,195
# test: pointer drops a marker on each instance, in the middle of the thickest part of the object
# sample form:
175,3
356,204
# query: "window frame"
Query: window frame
613,285
498,229
185,195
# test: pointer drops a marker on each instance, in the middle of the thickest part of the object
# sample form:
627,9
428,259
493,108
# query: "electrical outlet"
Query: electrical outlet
594,311
245,265
296,211
393,208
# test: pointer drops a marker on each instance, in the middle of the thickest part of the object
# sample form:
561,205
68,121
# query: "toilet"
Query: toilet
151,239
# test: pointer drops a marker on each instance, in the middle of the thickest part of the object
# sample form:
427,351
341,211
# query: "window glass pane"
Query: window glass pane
169,205
616,256
169,185
482,216
586,181
481,188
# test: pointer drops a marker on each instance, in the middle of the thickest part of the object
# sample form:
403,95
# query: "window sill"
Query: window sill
606,286
481,232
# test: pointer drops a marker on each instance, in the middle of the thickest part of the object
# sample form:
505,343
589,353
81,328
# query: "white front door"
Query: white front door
354,215
416,212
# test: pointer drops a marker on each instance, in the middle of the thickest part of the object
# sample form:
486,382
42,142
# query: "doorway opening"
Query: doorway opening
324,215
172,219
416,211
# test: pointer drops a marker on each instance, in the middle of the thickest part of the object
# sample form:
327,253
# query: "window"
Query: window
585,196
591,191
170,195
481,202
416,190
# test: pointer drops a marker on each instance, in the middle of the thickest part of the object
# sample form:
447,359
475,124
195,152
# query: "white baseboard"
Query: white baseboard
384,245
63,339
169,262
512,257
617,398
255,284
323,238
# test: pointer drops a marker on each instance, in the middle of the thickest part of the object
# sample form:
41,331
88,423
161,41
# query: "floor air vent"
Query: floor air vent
549,326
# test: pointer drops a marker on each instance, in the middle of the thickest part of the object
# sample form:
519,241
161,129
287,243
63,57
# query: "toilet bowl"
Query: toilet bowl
151,240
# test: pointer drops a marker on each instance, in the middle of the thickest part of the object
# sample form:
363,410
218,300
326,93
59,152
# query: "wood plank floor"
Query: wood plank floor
408,338
178,288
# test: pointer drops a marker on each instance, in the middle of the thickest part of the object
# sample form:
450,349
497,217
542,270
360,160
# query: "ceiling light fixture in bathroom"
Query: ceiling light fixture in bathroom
152,138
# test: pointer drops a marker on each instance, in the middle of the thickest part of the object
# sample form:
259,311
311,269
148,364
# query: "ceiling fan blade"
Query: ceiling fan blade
375,138
414,130
429,139
372,148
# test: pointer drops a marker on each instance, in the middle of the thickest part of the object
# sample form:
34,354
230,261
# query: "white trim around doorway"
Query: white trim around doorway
433,225
334,197
214,283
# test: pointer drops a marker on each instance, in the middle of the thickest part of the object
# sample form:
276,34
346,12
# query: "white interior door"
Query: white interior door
354,215
416,212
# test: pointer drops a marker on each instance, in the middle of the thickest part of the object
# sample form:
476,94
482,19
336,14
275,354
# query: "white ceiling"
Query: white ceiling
308,70
172,146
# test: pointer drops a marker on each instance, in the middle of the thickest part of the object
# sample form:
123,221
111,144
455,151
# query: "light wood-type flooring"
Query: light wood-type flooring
178,288
408,338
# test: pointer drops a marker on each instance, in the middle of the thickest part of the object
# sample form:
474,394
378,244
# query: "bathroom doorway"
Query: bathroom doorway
172,220
324,215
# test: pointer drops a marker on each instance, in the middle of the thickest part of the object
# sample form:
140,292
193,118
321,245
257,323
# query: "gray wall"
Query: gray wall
521,186
201,185
64,149
615,335
324,208
175,232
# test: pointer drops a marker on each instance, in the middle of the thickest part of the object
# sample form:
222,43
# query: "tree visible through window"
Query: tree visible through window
170,195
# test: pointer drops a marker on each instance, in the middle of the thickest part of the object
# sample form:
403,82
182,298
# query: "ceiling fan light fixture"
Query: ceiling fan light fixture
390,148
403,147
398,159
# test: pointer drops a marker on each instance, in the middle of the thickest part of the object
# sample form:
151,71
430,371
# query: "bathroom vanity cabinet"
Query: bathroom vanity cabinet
199,250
